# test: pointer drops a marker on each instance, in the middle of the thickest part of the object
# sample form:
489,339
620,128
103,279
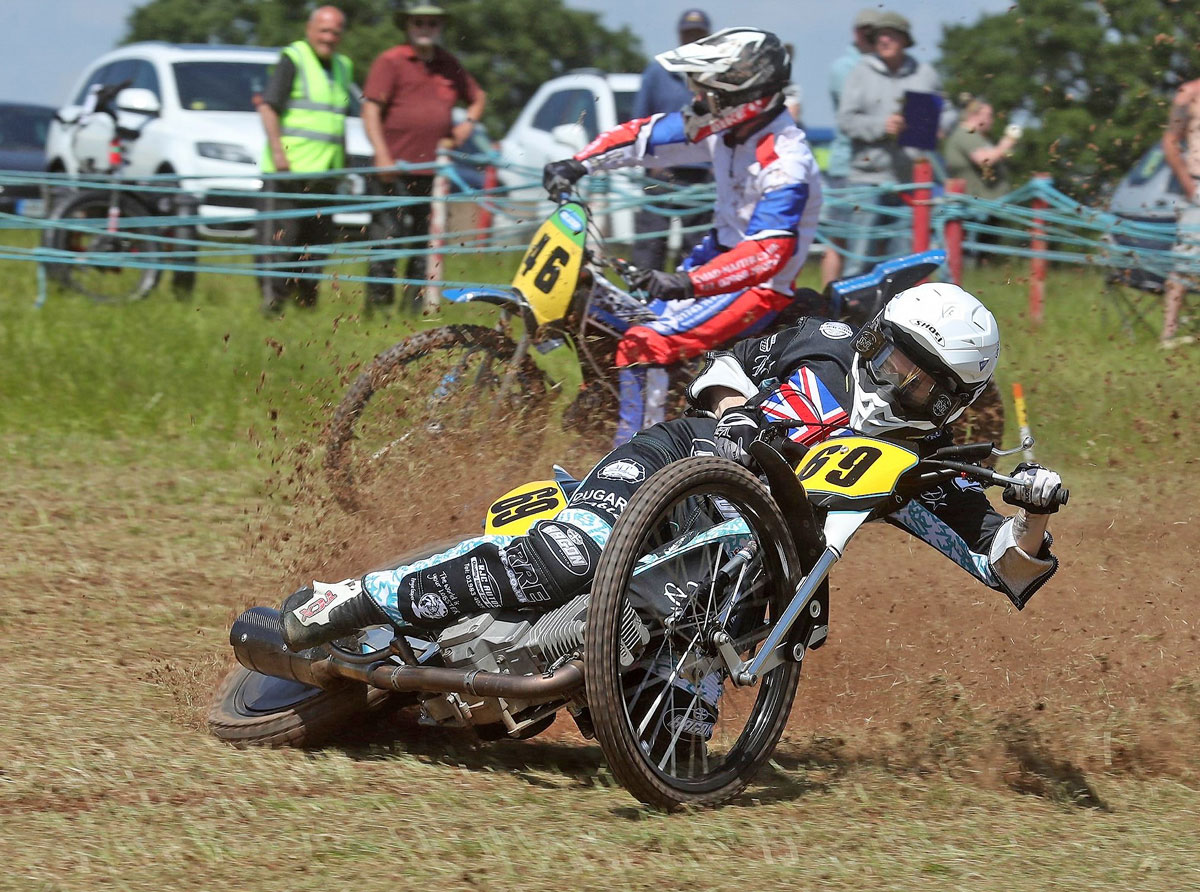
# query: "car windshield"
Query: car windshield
24,128
220,86
624,102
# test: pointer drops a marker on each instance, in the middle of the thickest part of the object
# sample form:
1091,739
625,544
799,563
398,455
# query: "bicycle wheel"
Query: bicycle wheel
448,388
674,728
106,278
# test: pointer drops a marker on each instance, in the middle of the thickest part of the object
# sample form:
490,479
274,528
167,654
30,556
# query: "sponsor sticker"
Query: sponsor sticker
431,606
325,595
699,721
941,406
526,585
836,330
567,547
626,470
571,220
482,584
601,500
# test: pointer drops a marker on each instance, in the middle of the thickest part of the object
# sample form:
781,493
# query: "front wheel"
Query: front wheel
112,266
459,387
674,727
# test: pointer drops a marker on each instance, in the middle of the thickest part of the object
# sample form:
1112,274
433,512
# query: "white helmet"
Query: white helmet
919,363
737,73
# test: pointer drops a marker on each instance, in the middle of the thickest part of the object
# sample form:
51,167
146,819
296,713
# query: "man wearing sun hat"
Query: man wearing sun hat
662,92
410,94
870,114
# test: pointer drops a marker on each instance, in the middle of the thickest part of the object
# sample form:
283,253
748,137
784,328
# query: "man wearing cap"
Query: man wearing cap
870,114
303,111
410,94
662,92
861,41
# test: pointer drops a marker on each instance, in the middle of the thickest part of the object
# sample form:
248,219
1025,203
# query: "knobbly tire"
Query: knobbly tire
689,485
432,386
983,420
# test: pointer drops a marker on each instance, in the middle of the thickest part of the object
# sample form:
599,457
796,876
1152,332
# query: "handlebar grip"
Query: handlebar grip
1061,495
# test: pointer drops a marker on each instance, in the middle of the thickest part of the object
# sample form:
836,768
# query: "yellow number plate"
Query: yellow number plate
854,467
515,512
550,268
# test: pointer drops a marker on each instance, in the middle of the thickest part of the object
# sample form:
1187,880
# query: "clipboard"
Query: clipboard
922,112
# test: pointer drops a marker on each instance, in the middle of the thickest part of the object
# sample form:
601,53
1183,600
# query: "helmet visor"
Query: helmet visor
918,392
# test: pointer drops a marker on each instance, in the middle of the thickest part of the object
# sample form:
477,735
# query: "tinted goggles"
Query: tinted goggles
920,394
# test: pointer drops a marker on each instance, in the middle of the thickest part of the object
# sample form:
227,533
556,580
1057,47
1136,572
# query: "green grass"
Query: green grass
137,518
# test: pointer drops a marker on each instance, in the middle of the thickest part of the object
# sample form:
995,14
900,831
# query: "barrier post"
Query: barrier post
432,294
1037,262
922,209
483,214
954,232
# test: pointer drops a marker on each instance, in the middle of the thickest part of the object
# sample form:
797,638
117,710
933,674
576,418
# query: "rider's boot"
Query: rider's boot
328,611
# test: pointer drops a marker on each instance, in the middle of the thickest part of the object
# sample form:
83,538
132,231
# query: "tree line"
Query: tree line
1095,79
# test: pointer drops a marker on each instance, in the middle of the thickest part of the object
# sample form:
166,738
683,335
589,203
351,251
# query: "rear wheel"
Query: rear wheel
251,709
673,726
440,389
983,420
110,271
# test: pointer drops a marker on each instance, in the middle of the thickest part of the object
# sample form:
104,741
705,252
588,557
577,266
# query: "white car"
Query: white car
564,115
205,128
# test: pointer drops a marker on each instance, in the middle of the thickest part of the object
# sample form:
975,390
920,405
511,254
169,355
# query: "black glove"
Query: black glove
737,428
559,176
663,286
1039,493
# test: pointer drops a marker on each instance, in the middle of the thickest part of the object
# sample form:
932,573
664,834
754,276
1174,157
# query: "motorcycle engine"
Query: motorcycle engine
506,641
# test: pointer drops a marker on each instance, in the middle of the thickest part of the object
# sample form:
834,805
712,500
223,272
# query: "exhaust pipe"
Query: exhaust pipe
257,640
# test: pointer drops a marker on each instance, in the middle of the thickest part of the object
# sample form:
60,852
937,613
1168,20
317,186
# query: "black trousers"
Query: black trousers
651,253
405,221
295,232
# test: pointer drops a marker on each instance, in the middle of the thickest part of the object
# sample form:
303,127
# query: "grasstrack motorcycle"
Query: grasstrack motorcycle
451,381
682,659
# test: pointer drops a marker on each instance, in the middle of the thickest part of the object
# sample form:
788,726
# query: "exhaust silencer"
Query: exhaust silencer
257,640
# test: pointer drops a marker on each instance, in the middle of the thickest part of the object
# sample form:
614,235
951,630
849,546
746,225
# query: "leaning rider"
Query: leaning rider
768,200
907,375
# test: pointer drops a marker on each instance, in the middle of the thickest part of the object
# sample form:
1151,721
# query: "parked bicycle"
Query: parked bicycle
113,231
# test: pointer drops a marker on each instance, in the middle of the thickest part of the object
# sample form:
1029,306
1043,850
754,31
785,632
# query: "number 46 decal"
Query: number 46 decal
547,276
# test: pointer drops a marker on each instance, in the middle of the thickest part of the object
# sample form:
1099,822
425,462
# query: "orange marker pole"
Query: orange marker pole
1022,418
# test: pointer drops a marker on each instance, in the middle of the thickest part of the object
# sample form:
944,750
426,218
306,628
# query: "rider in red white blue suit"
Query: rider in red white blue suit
768,199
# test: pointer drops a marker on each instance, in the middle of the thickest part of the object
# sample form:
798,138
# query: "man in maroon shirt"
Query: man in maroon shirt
410,92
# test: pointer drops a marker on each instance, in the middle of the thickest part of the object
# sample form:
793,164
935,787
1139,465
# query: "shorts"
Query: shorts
1186,252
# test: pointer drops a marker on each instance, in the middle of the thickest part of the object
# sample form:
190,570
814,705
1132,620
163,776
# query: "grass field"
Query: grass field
156,481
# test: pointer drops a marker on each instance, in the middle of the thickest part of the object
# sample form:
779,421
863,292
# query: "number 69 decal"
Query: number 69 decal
854,467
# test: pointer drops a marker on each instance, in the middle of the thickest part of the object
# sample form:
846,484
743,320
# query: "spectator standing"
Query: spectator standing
662,92
1183,128
862,36
870,114
410,95
303,112
971,155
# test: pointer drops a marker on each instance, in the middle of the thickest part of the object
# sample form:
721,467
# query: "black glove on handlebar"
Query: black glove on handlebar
559,176
663,286
738,427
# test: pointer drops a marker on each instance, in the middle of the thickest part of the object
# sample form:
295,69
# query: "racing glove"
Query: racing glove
559,176
737,428
1038,492
663,286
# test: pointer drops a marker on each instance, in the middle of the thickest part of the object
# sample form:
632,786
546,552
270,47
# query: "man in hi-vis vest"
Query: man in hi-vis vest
303,111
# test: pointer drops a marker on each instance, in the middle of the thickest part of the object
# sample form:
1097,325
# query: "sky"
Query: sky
48,42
